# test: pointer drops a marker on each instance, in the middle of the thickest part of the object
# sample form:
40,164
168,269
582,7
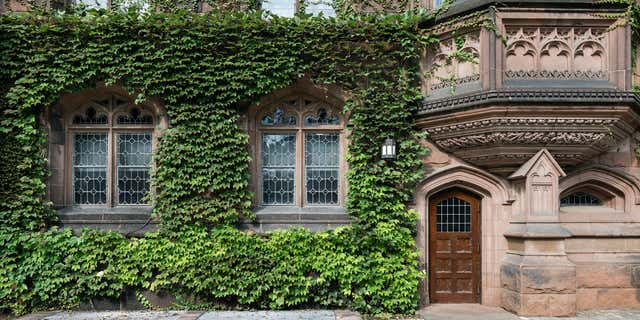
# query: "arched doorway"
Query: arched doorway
454,247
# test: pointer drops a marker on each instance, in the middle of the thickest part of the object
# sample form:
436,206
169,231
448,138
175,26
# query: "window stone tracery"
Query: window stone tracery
299,155
109,152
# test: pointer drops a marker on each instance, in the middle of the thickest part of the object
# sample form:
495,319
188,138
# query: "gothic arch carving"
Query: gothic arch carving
495,210
523,54
556,52
603,178
590,56
555,55
467,177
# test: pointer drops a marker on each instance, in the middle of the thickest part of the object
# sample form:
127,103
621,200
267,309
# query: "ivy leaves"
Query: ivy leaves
206,68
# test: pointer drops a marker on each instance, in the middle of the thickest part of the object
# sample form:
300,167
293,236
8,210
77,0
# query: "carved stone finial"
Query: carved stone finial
537,182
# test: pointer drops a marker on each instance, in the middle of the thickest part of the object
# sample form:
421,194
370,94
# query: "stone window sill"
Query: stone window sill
301,215
311,218
134,220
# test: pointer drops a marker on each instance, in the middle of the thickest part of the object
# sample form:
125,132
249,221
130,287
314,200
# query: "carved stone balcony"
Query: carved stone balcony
555,78
500,130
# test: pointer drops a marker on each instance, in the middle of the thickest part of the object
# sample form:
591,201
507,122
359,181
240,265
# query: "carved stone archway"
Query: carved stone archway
495,210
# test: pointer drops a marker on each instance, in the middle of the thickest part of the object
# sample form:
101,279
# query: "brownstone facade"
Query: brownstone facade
543,131
531,197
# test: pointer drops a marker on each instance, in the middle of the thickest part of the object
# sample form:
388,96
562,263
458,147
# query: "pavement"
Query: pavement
433,312
195,315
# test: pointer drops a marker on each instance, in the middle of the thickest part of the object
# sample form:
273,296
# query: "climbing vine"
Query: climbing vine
205,68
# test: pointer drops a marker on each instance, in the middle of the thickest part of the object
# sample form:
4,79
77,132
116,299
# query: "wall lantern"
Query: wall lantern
389,149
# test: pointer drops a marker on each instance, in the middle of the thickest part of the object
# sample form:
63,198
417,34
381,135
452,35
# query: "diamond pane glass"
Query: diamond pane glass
133,165
453,215
580,199
278,168
90,168
322,167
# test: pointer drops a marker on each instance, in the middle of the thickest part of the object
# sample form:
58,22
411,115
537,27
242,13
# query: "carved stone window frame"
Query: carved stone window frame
303,110
330,98
61,131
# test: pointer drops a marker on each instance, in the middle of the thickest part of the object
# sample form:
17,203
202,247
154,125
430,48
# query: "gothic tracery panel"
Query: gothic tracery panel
445,67
555,53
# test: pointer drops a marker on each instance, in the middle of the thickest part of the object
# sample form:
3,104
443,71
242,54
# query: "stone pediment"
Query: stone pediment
501,138
541,164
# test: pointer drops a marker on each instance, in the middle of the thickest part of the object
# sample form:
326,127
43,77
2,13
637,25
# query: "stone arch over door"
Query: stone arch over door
495,207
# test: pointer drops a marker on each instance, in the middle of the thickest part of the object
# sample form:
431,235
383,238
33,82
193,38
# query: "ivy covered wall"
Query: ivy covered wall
202,67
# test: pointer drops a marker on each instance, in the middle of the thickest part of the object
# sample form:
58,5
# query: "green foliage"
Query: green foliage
205,68
203,174
223,266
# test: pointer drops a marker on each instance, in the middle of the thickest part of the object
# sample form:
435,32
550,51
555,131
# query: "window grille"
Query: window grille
580,198
322,163
453,215
90,168
133,166
278,168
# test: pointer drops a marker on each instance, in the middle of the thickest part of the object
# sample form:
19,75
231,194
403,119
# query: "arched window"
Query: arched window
110,153
299,161
580,198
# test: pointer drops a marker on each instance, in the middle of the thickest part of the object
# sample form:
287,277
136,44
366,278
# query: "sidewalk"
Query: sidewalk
195,315
433,312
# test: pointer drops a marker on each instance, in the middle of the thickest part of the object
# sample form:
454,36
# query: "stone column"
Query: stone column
537,277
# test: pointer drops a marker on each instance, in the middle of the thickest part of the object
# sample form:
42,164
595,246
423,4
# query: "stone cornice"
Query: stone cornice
537,96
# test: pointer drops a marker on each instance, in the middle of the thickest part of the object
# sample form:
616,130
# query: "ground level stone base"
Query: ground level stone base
538,290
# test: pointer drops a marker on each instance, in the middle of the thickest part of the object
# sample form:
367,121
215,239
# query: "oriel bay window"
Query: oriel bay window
300,148
110,154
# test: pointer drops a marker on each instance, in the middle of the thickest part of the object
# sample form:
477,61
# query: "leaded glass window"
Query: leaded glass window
135,116
321,117
288,8
580,198
278,168
111,153
283,8
453,215
279,118
91,116
300,154
90,168
322,167
133,166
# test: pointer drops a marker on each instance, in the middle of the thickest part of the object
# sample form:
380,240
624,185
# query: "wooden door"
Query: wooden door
454,248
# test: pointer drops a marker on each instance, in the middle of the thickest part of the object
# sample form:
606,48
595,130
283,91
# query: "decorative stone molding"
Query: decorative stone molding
536,271
521,122
461,24
544,137
555,74
556,53
464,175
593,96
613,180
501,138
444,67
